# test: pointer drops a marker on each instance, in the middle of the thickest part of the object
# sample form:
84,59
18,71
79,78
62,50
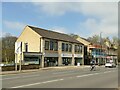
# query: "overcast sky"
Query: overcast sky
82,18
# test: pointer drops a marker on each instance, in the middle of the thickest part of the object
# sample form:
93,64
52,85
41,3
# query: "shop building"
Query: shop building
48,48
99,53
86,44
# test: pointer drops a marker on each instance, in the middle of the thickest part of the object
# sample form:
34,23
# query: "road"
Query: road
64,78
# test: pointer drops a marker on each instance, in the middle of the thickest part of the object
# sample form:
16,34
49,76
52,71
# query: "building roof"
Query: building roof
85,39
54,35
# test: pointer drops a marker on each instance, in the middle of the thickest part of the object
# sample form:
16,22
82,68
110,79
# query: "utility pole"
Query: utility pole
20,57
100,47
16,62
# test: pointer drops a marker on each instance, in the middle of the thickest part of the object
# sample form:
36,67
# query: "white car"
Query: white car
110,64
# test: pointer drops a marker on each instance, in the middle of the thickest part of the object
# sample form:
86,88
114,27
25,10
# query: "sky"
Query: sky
82,18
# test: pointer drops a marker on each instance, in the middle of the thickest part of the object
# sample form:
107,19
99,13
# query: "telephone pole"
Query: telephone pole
101,46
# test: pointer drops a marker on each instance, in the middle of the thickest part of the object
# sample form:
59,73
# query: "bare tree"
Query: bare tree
8,46
94,39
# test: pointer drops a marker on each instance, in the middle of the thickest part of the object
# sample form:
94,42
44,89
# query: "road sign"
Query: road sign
18,47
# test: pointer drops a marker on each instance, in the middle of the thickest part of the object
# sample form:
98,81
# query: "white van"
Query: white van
110,64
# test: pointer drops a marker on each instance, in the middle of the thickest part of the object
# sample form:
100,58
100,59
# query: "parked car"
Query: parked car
110,64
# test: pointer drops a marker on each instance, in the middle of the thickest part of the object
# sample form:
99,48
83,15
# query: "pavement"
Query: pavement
46,68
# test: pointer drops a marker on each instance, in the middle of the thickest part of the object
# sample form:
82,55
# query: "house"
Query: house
48,48
92,51
111,52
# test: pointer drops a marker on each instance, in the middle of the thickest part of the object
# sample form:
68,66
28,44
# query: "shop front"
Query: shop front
100,60
113,58
78,59
51,59
66,59
31,58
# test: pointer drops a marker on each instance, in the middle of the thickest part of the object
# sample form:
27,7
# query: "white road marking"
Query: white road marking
63,72
94,74
59,79
38,83
87,75
18,77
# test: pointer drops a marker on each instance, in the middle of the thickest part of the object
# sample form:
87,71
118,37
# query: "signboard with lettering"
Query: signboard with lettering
18,47
78,55
66,55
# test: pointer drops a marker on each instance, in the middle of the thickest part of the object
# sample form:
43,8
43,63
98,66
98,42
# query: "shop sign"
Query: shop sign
66,55
51,55
78,55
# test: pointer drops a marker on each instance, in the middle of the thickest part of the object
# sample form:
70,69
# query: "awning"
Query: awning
32,53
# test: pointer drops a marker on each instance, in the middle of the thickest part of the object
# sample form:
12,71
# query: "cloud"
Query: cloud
92,26
87,8
17,26
13,25
101,17
59,29
59,0
55,8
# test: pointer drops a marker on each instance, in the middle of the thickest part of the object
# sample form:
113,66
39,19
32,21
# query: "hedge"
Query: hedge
23,67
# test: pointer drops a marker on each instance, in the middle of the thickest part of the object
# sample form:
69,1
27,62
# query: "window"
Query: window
55,46
51,45
70,47
75,48
26,47
80,49
66,47
46,45
63,46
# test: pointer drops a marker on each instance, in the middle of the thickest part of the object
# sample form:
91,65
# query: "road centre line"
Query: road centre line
87,75
38,83
94,74
58,80
38,75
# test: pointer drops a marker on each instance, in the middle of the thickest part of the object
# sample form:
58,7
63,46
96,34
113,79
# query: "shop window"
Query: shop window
31,60
46,45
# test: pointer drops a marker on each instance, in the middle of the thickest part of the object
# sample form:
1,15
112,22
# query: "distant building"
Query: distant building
99,53
111,52
48,48
95,51
86,49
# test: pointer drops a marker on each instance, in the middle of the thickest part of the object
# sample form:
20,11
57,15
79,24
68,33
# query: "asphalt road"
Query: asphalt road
64,78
